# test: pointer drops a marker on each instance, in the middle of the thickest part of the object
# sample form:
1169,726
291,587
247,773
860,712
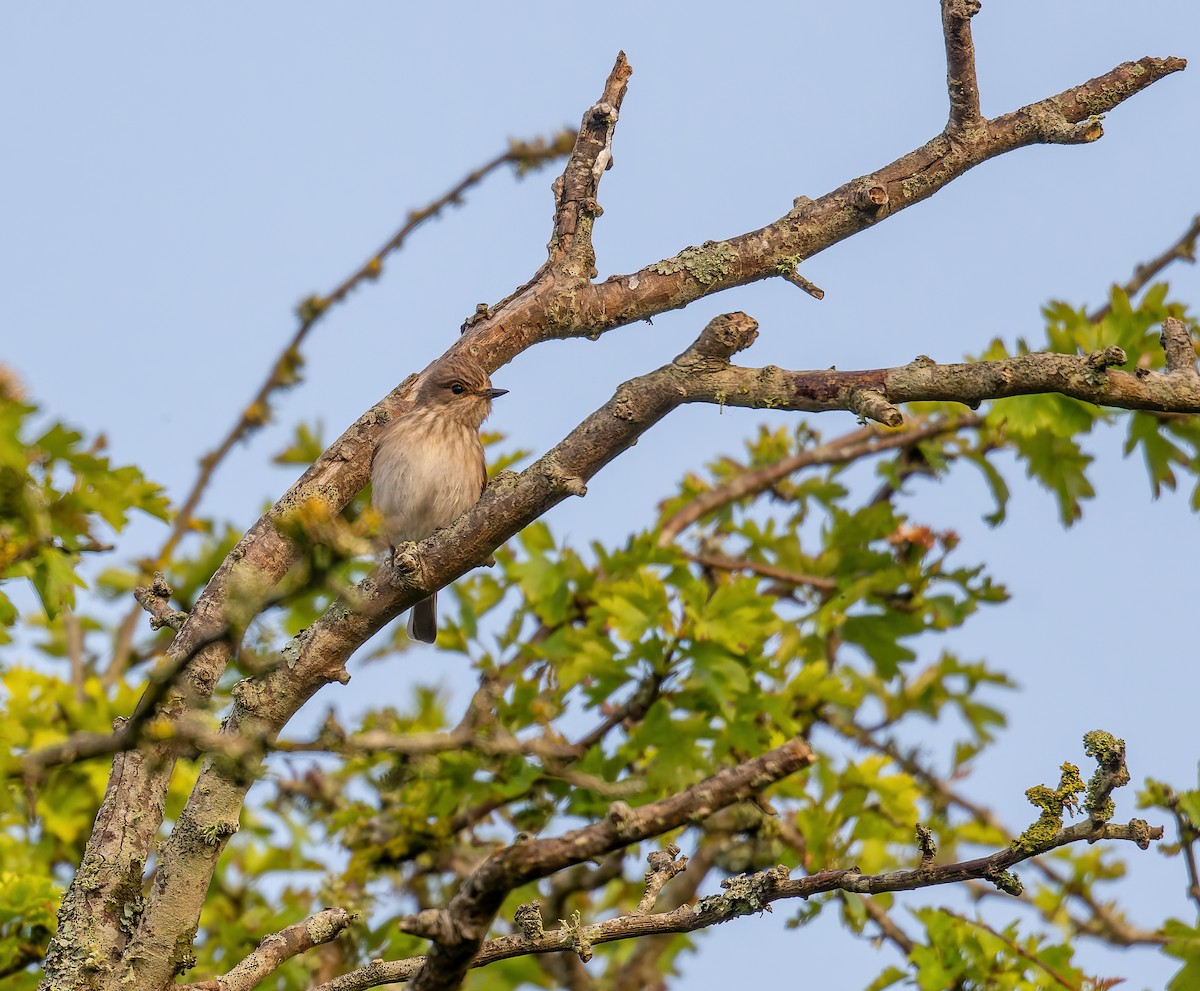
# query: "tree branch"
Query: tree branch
133,801
1090,378
887,925
275,950
472,910
1071,117
849,447
1183,249
722,563
1180,348
537,312
285,370
1019,950
743,895
701,374
960,65
1103,921
576,208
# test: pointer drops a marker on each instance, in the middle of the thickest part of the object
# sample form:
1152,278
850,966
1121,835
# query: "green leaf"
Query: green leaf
879,636
1060,466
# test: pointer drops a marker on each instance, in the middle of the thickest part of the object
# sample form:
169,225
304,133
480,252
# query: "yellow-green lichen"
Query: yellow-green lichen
1109,753
579,941
1052,802
705,264
183,958
789,264
1007,881
213,833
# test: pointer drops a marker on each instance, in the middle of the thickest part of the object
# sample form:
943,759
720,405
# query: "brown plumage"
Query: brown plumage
428,468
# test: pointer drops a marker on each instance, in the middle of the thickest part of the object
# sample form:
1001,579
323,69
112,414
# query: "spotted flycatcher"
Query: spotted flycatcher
428,468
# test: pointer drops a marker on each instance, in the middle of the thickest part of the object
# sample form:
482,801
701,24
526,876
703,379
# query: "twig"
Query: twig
26,954
798,280
887,925
156,600
665,864
1103,922
634,708
1188,835
495,743
722,563
1015,948
642,968
1183,249
960,65
849,447
576,208
1179,346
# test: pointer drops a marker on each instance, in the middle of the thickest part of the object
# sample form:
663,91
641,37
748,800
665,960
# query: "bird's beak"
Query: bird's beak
495,393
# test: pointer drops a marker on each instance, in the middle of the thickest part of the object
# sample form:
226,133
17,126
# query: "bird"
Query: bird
428,468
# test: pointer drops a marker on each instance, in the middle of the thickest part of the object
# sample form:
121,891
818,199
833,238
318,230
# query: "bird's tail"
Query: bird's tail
422,620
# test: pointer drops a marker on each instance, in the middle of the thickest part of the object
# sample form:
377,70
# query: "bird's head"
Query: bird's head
459,388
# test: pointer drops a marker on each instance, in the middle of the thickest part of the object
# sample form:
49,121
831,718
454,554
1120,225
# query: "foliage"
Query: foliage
612,671
58,496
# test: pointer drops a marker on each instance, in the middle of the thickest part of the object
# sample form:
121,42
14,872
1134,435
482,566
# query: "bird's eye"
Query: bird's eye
457,388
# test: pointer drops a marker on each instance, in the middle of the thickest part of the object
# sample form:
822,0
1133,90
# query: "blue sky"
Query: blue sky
177,177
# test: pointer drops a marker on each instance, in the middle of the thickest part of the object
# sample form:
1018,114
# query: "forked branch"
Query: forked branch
745,895
559,302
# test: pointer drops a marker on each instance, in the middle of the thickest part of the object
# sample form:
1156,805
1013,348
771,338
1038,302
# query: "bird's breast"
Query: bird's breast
427,472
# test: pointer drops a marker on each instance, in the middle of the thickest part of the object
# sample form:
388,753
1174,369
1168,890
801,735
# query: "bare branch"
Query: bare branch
576,208
849,447
814,225
664,865
1088,377
472,910
798,280
743,895
722,563
277,949
960,65
156,600
1183,249
1179,346
1103,921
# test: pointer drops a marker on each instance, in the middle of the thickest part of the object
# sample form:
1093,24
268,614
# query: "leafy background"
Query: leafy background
182,177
